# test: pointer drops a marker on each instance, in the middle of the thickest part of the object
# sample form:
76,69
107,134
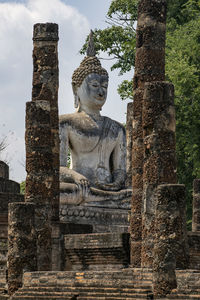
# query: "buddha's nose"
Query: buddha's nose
101,92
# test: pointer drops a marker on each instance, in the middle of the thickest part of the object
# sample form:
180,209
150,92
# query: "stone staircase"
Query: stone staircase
122,284
97,251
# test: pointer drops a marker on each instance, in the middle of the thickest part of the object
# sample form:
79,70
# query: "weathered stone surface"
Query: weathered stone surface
194,249
21,243
45,87
42,140
101,219
149,67
155,10
129,133
4,170
90,251
170,244
159,154
196,206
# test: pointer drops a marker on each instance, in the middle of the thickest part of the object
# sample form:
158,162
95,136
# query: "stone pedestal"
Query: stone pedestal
196,206
170,240
21,243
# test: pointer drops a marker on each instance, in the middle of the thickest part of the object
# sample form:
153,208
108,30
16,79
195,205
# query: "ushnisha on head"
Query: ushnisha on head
90,78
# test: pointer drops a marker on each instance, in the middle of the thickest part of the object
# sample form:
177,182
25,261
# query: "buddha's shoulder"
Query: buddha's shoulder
69,119
77,121
115,124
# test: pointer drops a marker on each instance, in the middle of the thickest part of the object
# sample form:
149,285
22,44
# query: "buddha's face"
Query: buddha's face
93,91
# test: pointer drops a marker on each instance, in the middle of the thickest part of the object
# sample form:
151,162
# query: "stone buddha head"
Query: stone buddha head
90,81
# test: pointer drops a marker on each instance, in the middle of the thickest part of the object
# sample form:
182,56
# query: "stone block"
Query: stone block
21,243
39,161
136,226
152,35
90,251
135,254
37,113
152,10
171,221
157,142
45,32
4,170
150,61
140,79
196,186
160,168
9,186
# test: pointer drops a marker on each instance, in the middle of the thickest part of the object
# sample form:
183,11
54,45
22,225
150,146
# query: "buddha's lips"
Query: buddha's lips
100,98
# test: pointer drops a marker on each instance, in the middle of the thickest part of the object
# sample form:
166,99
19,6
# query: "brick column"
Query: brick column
129,120
45,87
21,243
196,206
42,140
170,248
39,180
149,66
159,155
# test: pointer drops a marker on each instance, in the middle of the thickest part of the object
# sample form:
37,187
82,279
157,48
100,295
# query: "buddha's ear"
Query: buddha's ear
76,101
76,98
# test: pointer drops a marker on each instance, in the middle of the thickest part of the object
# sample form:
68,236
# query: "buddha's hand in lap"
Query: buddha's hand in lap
118,183
114,186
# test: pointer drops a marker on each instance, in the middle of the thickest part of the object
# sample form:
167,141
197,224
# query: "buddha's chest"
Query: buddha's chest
91,141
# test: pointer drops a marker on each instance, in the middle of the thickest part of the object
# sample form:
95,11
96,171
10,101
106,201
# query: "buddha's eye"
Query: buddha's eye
105,86
94,84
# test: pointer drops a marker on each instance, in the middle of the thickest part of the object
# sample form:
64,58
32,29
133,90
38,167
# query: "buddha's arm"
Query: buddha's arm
118,162
68,175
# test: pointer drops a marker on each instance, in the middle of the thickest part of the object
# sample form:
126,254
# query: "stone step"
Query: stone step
82,297
67,278
109,285
183,296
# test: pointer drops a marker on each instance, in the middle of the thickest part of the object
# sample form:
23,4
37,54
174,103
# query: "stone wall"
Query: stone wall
96,251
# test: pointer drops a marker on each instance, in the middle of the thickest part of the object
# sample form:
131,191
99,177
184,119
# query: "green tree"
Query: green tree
182,68
22,187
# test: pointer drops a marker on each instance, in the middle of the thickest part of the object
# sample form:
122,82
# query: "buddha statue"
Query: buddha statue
97,143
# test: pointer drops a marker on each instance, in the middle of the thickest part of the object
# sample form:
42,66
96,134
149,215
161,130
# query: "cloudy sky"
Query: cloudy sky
75,18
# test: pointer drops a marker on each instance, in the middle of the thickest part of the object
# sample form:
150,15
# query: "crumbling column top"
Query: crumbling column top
45,32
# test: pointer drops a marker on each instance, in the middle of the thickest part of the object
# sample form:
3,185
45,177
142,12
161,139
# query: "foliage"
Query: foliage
22,187
182,68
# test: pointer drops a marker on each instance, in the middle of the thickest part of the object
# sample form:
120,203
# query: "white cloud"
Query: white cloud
16,26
